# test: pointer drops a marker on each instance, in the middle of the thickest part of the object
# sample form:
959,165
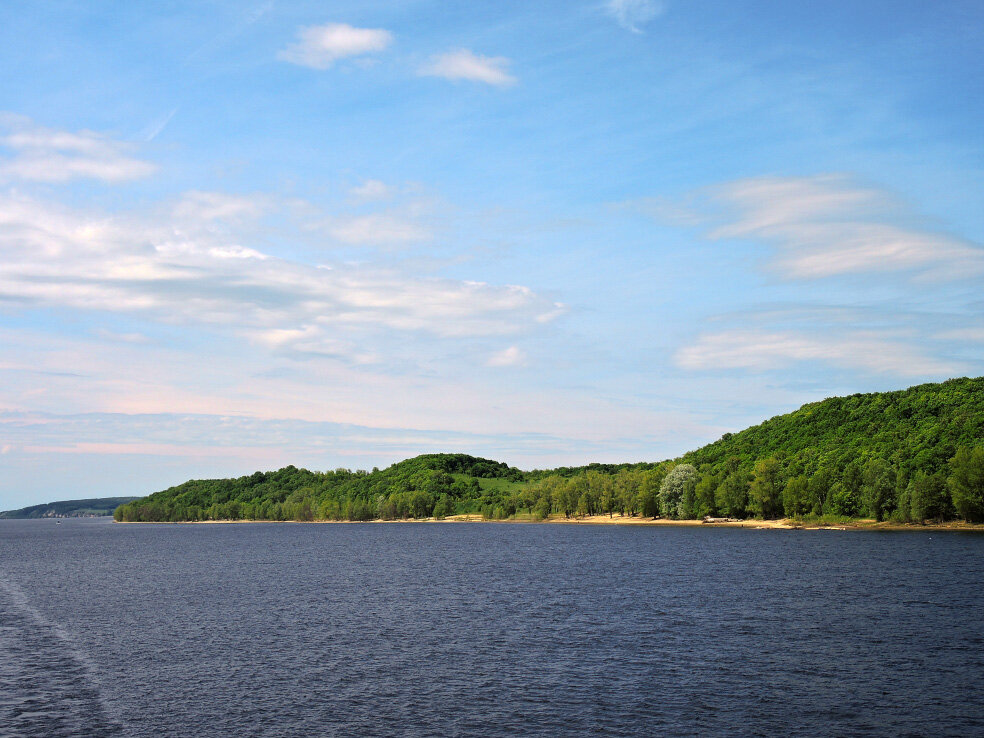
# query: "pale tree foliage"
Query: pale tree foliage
677,487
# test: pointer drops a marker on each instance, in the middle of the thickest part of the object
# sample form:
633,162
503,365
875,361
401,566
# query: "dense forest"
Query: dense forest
908,456
69,508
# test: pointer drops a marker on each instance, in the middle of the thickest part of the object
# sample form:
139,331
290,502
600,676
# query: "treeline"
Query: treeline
771,489
912,455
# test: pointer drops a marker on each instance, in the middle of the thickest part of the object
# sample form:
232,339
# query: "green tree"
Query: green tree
704,494
649,492
903,504
570,492
820,483
929,498
765,491
444,507
583,505
879,488
844,501
966,483
600,492
627,485
796,497
732,495
541,510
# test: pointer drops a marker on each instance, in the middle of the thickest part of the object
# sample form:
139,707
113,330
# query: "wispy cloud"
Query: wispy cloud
42,154
189,273
153,130
466,65
632,14
203,207
319,47
969,335
765,350
114,337
830,225
377,229
247,19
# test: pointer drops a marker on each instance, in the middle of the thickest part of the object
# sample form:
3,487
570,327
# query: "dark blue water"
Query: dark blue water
486,630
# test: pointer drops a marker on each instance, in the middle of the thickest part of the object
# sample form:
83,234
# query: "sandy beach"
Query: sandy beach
780,524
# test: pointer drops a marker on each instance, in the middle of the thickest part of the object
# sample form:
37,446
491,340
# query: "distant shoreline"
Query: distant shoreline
781,524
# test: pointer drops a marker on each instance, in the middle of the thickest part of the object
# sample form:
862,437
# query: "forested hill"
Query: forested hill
910,455
70,508
916,429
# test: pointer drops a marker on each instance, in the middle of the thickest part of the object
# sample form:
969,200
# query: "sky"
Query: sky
242,235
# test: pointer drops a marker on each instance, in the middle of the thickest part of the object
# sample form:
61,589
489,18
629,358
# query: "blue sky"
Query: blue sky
241,235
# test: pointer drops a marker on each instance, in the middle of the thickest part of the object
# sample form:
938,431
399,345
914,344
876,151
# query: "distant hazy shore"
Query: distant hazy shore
782,524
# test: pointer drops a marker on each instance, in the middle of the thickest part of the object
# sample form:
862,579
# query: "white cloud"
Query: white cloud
512,356
372,189
377,229
764,350
319,47
631,14
828,225
46,155
464,64
141,265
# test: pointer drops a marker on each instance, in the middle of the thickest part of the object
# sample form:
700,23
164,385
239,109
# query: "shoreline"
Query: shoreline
779,524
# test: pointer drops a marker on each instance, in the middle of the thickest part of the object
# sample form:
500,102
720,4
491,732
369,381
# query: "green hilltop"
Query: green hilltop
98,506
910,455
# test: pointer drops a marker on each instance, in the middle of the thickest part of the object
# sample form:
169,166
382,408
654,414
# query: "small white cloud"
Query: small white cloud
234,251
48,155
464,64
631,14
512,356
372,189
319,47
763,350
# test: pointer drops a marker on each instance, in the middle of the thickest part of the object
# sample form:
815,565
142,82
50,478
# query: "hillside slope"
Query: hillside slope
69,508
912,454
916,429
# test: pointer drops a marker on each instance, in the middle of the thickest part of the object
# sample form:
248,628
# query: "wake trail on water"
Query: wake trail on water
49,686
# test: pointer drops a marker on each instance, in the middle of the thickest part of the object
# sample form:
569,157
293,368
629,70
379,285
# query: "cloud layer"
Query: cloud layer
40,154
181,270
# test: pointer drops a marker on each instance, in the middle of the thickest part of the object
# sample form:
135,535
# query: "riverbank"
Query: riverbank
780,524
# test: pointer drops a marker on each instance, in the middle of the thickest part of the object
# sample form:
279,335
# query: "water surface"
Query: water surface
486,630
